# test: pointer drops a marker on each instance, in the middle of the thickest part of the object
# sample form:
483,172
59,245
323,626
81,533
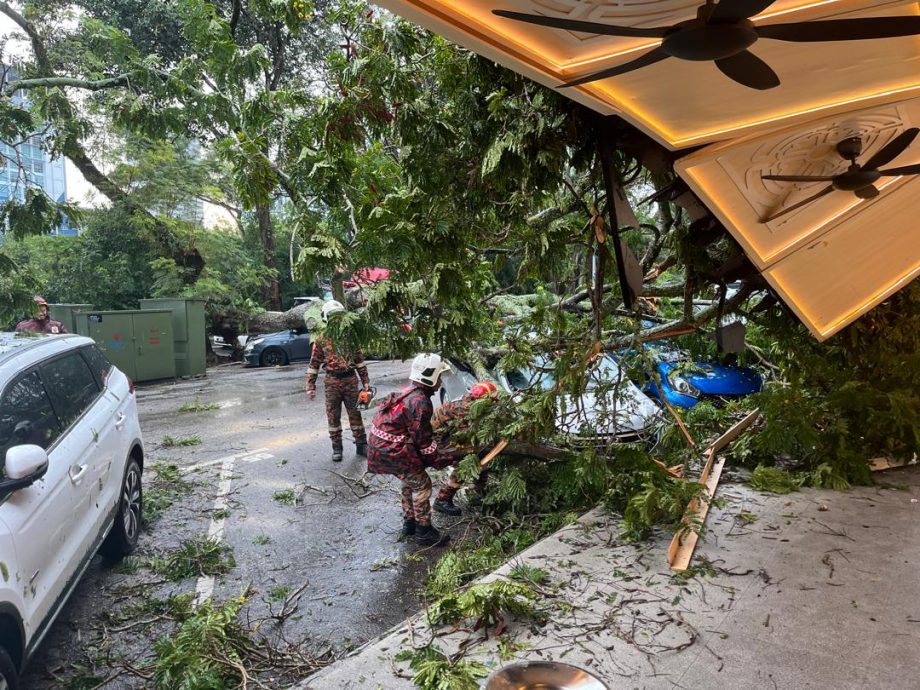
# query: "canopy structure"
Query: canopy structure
831,260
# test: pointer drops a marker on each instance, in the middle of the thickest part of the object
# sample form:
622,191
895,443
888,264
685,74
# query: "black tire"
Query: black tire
273,357
9,678
122,540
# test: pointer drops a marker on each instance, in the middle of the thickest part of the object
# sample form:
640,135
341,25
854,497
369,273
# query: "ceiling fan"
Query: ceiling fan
859,179
723,33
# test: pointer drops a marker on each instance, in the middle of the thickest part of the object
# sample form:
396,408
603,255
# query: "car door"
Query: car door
74,390
39,517
299,345
108,415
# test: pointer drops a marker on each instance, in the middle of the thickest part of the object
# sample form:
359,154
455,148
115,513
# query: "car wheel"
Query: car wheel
122,540
273,357
9,678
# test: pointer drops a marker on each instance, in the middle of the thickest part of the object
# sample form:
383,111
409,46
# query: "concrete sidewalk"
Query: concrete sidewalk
820,589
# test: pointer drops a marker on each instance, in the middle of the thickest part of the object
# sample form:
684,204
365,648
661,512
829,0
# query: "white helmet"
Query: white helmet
331,307
427,369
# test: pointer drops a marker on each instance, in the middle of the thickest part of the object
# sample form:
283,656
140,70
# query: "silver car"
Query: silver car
612,408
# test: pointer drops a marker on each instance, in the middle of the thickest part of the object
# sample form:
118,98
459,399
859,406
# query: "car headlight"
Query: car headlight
682,386
251,344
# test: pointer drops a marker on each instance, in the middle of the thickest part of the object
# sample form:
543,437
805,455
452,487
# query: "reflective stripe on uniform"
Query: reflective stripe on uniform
430,449
312,370
335,428
392,438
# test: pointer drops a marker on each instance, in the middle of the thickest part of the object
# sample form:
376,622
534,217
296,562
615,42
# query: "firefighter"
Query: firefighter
448,419
42,323
341,385
402,444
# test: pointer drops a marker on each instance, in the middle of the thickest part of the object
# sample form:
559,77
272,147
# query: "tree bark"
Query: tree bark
271,292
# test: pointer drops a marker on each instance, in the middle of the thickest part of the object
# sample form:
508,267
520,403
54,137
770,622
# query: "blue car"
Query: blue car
685,385
277,349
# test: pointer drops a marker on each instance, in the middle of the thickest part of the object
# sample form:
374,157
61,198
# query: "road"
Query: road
264,485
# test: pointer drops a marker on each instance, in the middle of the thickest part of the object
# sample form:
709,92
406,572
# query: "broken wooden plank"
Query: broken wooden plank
499,447
680,422
680,551
879,464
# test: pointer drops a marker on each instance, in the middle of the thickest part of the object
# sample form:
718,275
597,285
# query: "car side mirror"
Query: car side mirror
25,465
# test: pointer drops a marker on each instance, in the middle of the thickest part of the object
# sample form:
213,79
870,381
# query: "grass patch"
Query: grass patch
199,407
174,442
195,558
286,497
262,540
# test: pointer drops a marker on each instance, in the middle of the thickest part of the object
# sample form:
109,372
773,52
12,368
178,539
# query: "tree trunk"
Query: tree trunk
271,321
271,292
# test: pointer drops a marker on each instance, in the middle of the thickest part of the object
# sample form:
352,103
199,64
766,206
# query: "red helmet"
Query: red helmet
482,389
38,299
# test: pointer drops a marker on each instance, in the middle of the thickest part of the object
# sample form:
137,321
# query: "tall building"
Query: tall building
26,163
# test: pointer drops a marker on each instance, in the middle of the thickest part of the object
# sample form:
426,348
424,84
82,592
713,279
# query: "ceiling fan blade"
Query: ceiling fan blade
578,25
842,29
798,178
748,70
650,58
823,192
734,10
892,149
906,170
869,192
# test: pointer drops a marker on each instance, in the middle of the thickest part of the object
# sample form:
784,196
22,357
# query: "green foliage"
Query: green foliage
645,494
178,442
204,653
195,558
484,603
164,485
285,497
198,406
842,402
528,574
434,671
775,480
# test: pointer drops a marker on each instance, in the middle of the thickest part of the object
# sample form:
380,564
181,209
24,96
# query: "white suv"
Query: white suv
70,480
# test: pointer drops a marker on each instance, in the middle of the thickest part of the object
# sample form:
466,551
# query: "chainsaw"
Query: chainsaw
365,397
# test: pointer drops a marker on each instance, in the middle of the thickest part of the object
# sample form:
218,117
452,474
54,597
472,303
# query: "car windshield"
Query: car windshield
541,375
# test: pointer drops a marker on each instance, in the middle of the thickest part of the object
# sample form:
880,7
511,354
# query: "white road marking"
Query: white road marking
204,587
220,461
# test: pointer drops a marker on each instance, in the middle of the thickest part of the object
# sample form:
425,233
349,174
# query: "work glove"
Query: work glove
311,393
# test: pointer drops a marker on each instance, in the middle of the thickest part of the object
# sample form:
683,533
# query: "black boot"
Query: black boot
408,528
446,506
361,449
337,452
427,535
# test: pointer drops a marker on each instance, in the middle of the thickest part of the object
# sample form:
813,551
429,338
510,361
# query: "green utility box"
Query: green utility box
65,314
188,331
140,343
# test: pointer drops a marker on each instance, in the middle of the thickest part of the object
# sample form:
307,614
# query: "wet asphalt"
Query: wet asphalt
264,485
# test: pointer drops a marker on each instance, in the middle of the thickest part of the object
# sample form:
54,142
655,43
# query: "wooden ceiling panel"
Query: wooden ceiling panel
678,102
841,275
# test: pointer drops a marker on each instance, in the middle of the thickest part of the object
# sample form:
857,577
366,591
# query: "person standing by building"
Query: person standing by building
42,323
341,385
402,444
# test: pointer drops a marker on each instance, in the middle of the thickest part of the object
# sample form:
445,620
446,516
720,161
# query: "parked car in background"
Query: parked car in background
685,383
277,349
71,458
600,417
